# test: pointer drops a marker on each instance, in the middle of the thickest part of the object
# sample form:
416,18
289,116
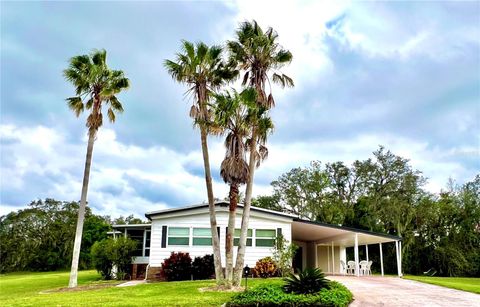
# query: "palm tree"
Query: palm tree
95,85
260,56
203,70
232,116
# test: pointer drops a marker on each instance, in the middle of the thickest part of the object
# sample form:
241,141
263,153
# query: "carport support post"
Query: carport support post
357,267
381,258
333,259
400,256
399,265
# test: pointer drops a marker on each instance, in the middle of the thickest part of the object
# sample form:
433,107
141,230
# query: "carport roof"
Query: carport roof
309,231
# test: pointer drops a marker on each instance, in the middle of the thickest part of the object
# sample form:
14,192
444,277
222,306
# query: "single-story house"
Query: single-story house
187,229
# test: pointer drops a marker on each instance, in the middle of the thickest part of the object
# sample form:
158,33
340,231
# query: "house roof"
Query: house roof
131,226
223,203
220,203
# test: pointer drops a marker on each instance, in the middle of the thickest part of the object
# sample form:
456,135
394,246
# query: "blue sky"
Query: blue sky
400,74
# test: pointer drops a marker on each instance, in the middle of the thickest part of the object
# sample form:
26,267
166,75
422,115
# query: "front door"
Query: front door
297,260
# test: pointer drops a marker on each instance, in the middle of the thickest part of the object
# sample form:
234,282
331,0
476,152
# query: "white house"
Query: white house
187,229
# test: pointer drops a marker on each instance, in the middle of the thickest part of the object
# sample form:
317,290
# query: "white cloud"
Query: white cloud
43,152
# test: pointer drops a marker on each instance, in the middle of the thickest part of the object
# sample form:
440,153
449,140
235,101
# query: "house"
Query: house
187,229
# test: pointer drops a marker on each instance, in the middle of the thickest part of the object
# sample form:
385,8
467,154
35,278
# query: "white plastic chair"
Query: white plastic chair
351,267
369,267
363,267
343,266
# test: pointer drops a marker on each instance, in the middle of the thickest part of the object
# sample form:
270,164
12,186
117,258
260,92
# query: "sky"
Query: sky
405,75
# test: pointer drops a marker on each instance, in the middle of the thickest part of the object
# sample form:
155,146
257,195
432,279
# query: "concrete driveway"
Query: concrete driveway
393,291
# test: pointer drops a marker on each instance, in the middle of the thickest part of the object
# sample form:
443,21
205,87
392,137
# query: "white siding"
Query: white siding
200,218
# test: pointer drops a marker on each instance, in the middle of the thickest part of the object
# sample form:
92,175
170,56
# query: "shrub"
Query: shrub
110,253
264,268
283,254
177,267
122,250
309,281
101,260
203,267
272,295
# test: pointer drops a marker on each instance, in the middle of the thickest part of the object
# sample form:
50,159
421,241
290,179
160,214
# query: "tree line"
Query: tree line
40,237
386,194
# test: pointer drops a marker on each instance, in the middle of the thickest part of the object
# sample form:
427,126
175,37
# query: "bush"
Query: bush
101,260
121,252
265,267
203,267
309,281
110,253
272,295
177,267
283,254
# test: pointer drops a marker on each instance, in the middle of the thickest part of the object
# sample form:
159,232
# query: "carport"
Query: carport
324,246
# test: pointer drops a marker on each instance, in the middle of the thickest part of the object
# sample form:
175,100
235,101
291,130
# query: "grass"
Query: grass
470,284
23,289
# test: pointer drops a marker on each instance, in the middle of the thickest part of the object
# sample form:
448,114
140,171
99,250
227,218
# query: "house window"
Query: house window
147,243
178,235
202,237
265,237
236,237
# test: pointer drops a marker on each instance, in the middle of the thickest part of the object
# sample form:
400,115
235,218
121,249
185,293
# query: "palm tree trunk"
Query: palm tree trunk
211,207
233,195
237,274
81,213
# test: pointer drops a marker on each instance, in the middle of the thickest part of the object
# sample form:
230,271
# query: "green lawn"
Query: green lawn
469,284
23,289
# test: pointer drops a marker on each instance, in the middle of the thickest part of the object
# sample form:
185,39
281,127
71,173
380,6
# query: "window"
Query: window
178,235
147,243
265,237
137,236
202,237
236,237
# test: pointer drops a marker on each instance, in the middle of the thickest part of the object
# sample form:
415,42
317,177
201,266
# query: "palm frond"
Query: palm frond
111,115
76,105
99,57
115,104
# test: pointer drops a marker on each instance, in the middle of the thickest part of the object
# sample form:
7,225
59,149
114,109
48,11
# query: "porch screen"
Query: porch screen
137,236
265,237
147,243
178,236
202,237
236,237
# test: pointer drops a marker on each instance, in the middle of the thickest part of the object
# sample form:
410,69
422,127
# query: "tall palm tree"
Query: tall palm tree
203,70
95,85
260,56
232,116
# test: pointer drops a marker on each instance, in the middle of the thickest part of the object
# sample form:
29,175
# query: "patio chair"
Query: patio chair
344,269
369,267
363,267
430,272
351,267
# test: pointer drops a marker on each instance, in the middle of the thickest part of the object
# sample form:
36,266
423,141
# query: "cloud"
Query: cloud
399,74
